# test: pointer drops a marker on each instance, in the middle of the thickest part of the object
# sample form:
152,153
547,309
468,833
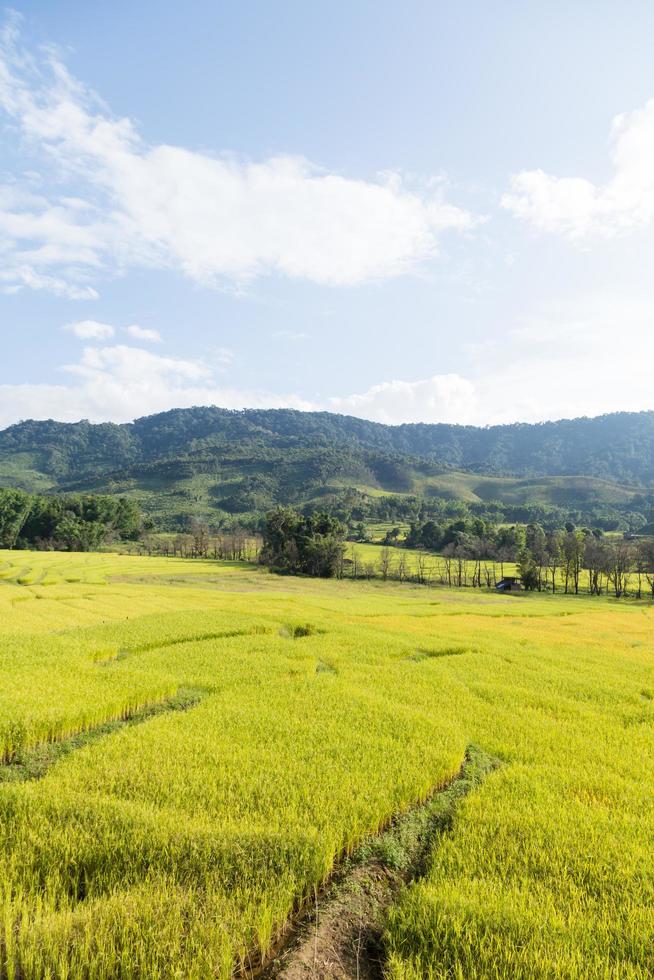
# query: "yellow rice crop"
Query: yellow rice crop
178,847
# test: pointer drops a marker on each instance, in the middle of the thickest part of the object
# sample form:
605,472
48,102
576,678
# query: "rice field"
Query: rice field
229,735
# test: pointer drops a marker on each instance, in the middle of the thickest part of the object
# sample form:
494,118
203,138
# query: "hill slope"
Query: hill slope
203,459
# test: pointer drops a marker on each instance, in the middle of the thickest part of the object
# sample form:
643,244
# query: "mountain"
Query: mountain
199,460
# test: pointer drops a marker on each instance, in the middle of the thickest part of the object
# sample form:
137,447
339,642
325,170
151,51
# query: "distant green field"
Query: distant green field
369,556
473,488
22,470
190,746
557,490
378,529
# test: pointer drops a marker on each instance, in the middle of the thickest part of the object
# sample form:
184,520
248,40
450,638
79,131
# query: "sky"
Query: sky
416,212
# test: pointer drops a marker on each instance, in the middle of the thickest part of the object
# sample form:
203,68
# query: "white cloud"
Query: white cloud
576,207
120,383
584,357
90,330
216,218
567,361
143,333
16,276
441,398
290,335
38,236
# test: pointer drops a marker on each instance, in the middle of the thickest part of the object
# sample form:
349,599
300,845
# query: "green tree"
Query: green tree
528,570
15,507
309,545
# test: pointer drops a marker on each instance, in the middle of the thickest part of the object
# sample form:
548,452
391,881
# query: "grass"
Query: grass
474,488
377,529
180,845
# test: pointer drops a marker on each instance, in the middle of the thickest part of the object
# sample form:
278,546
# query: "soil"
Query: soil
340,936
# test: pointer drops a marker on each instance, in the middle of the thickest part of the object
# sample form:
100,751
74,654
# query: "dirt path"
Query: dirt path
341,936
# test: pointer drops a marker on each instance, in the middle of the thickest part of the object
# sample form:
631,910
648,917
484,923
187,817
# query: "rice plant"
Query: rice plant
179,846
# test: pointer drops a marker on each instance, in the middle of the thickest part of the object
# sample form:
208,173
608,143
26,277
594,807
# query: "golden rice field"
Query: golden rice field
178,845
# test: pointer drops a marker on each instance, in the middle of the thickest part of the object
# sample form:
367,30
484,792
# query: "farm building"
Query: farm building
510,583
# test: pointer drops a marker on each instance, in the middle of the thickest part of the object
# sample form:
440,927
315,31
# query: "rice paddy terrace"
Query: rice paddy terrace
189,750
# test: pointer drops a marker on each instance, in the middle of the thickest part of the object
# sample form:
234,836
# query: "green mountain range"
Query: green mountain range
207,462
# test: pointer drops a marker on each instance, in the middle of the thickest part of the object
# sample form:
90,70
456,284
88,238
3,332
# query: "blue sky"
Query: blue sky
416,212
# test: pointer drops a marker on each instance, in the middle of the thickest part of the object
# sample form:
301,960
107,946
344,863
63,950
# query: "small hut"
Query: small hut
510,583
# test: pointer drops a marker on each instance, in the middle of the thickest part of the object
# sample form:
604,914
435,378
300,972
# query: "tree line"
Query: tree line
201,540
472,552
614,447
71,522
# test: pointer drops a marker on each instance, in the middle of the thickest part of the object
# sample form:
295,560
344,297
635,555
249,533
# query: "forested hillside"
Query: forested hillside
617,447
201,461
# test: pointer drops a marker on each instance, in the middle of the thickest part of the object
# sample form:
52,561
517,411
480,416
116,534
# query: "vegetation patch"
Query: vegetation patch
296,631
433,653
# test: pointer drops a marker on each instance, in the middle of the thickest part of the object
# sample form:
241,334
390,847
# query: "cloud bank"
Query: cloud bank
566,362
441,398
120,383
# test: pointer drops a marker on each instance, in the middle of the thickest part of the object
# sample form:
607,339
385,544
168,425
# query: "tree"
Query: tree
536,542
529,571
645,554
385,562
15,507
312,545
572,547
360,532
422,569
73,521
200,534
620,556
76,534
554,555
596,562
431,536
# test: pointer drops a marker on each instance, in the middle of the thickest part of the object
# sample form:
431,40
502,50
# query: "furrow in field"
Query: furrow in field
338,934
34,762
107,658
